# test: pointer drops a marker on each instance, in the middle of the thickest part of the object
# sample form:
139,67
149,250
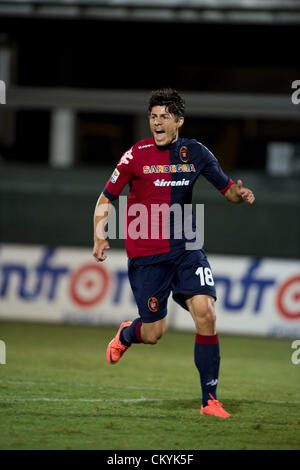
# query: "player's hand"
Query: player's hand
99,247
245,193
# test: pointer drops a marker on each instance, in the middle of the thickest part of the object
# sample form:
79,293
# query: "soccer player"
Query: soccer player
162,256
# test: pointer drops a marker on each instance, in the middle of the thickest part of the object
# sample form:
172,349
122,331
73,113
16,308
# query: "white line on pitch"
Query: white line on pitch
121,400
76,384
92,400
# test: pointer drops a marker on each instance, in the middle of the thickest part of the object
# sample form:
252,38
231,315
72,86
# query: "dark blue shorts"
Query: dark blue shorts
186,274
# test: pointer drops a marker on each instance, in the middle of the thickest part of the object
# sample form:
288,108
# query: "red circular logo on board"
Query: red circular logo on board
288,298
89,285
153,304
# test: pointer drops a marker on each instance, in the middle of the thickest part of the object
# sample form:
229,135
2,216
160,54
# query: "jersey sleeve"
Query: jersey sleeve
214,173
121,176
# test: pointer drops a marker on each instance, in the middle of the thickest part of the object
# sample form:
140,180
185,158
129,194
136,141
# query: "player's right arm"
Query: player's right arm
121,176
102,210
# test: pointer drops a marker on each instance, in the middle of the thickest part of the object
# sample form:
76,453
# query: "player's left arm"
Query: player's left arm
234,192
238,193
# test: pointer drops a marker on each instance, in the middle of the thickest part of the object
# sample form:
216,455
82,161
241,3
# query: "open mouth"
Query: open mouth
160,134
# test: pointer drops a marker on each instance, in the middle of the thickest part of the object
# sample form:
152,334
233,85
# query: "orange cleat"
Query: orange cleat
116,349
214,408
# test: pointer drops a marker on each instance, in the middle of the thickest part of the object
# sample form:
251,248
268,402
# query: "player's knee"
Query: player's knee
205,317
151,336
150,340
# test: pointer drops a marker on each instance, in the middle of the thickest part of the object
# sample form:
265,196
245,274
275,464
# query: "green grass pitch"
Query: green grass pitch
58,392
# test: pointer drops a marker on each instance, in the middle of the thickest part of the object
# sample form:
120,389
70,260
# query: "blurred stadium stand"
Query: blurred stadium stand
78,76
160,10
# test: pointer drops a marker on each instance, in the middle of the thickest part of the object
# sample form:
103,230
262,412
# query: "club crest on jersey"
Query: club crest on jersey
153,304
184,154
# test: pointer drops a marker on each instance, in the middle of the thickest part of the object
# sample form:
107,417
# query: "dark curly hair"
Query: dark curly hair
169,98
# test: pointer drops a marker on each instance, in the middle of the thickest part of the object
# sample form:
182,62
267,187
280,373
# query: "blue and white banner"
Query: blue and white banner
256,296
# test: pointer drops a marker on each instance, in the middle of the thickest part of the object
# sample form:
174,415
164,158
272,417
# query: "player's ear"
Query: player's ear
180,122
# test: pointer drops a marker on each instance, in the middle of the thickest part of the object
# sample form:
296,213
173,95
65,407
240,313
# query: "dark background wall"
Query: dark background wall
46,205
55,207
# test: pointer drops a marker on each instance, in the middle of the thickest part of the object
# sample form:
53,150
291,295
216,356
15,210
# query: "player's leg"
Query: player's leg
139,332
193,288
206,352
201,308
134,332
143,332
206,348
152,332
131,332
151,288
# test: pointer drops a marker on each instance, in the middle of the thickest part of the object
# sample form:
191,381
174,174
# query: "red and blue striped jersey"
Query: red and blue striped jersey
161,178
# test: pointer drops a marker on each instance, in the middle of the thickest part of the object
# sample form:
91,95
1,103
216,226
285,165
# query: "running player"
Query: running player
163,257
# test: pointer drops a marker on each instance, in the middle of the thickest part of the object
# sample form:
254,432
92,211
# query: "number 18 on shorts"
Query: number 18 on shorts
206,277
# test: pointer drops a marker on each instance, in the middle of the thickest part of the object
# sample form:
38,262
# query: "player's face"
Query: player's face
164,126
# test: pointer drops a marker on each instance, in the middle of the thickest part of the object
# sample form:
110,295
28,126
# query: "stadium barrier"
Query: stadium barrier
256,296
37,208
